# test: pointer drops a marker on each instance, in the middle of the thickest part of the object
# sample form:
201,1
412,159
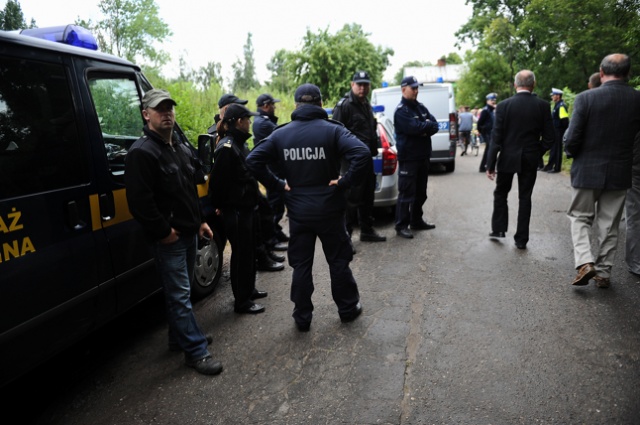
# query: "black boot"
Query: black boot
367,234
265,263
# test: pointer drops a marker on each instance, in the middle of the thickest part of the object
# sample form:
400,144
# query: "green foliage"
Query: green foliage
12,18
329,61
487,72
244,74
130,29
562,41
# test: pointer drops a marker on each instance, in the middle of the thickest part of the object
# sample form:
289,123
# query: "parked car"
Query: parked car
440,100
385,164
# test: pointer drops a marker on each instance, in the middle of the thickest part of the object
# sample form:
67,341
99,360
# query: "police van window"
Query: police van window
118,108
39,145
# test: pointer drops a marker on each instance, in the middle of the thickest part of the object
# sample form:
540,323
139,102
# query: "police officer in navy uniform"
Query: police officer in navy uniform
355,112
560,116
309,151
485,126
266,259
263,125
234,194
414,127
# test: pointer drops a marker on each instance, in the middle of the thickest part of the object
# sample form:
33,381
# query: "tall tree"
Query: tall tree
329,61
562,41
131,29
244,74
12,18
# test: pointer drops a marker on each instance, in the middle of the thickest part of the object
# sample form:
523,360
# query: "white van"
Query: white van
440,100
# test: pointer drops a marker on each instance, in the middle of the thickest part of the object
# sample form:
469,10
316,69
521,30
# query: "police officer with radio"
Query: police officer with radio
414,126
309,151
355,112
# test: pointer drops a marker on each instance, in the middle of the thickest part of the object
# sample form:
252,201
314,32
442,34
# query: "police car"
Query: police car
439,98
385,164
71,255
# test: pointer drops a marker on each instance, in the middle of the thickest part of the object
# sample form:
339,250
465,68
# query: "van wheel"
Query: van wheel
450,166
208,268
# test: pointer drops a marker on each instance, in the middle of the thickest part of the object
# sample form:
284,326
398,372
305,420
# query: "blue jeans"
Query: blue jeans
175,264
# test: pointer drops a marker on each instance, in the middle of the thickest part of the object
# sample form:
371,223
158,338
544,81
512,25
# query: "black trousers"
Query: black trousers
555,154
239,224
526,181
413,177
360,202
338,251
487,144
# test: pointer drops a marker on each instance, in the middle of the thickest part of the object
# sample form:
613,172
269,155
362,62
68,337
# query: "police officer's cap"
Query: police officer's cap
556,91
265,99
307,93
410,81
361,77
154,97
236,111
228,99
492,96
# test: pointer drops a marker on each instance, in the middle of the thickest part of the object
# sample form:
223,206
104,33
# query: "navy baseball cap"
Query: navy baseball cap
361,77
228,99
265,99
307,93
410,81
236,111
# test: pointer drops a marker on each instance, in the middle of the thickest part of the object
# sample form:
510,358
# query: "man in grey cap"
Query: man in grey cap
166,205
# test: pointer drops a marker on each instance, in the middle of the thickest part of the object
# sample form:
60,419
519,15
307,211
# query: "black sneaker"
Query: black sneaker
205,365
370,235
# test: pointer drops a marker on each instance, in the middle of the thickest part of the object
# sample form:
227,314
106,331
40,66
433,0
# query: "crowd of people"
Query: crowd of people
320,172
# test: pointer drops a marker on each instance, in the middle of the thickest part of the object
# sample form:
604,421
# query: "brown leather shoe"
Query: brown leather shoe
602,282
585,272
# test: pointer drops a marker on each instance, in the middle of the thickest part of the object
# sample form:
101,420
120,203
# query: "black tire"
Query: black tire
208,268
450,166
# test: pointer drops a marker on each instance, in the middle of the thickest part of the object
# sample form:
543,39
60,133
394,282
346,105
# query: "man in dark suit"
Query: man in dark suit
600,139
521,132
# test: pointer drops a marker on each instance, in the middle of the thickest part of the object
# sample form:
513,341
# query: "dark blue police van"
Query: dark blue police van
71,255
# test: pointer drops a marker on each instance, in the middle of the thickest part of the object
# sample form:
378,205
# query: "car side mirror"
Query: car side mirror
205,151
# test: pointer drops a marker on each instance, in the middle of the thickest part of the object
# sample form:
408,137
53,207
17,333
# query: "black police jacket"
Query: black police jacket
161,186
231,184
263,126
485,121
309,150
414,127
358,118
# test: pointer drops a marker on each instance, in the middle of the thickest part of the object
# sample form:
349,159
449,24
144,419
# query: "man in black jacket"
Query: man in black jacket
355,112
162,197
309,151
521,131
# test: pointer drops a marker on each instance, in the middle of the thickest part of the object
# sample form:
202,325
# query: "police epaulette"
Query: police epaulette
335,122
340,102
227,144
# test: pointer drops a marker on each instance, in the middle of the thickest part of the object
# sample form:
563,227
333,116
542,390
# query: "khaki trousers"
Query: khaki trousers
601,210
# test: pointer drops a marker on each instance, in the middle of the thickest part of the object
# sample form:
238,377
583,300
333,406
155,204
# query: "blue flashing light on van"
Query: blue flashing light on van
72,35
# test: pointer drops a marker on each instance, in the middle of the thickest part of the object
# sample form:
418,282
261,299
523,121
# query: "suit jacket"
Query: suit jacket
522,127
600,136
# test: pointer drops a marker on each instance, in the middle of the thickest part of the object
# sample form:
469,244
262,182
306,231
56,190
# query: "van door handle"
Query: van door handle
73,216
107,207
